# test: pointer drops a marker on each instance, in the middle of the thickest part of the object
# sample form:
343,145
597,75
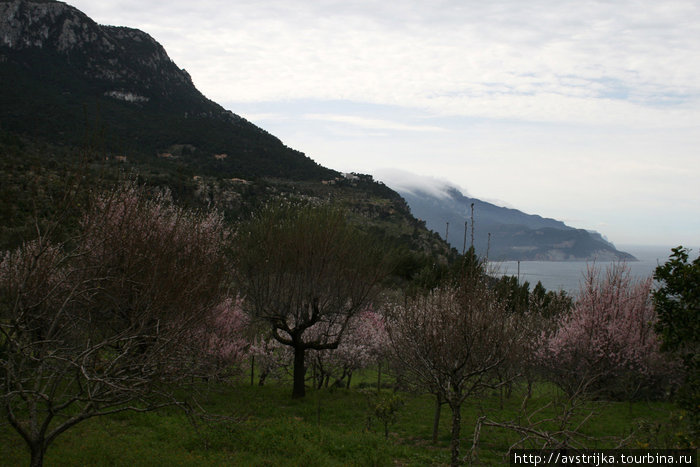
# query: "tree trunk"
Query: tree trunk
299,389
37,455
347,386
436,417
263,375
318,375
456,427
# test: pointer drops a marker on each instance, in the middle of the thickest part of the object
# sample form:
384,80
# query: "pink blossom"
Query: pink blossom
609,334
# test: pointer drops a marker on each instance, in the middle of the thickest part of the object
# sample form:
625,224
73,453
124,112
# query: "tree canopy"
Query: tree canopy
677,302
306,272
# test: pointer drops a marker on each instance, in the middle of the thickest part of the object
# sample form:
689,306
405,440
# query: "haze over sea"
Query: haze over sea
568,275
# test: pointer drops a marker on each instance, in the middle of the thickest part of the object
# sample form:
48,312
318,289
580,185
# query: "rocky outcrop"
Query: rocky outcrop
117,55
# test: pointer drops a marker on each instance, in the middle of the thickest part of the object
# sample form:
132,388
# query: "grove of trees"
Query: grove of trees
143,298
113,319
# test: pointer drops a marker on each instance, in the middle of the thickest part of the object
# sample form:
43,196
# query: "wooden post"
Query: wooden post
464,245
472,220
488,247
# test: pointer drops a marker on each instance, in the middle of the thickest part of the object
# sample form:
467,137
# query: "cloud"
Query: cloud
535,61
372,123
405,181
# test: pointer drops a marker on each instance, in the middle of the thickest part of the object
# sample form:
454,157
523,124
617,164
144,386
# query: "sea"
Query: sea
568,275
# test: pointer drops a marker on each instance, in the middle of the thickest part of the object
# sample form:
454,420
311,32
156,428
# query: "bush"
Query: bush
677,302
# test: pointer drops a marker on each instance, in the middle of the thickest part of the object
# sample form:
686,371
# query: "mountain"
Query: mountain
68,79
87,104
502,233
113,96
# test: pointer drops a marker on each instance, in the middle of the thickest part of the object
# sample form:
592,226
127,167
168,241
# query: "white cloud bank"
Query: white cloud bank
591,61
372,123
404,181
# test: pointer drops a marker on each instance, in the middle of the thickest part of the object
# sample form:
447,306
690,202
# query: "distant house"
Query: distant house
165,155
120,158
220,157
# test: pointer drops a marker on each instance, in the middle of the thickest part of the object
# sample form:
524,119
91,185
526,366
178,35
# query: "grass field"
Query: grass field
262,426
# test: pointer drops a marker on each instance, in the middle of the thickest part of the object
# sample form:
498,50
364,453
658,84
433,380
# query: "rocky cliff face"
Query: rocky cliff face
26,25
121,56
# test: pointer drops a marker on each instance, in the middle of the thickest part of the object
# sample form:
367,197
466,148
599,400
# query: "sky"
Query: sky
583,111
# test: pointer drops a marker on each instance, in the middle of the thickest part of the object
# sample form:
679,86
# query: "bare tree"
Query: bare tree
558,424
306,272
109,321
452,340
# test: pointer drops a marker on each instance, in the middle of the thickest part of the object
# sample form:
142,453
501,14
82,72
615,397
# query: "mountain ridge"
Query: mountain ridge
500,233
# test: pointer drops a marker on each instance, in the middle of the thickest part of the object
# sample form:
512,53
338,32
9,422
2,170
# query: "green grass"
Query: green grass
263,426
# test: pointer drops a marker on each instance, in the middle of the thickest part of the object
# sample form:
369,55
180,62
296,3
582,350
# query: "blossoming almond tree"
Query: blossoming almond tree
225,336
363,344
107,322
607,342
452,341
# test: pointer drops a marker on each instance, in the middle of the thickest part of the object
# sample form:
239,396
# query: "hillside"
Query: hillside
67,79
103,103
